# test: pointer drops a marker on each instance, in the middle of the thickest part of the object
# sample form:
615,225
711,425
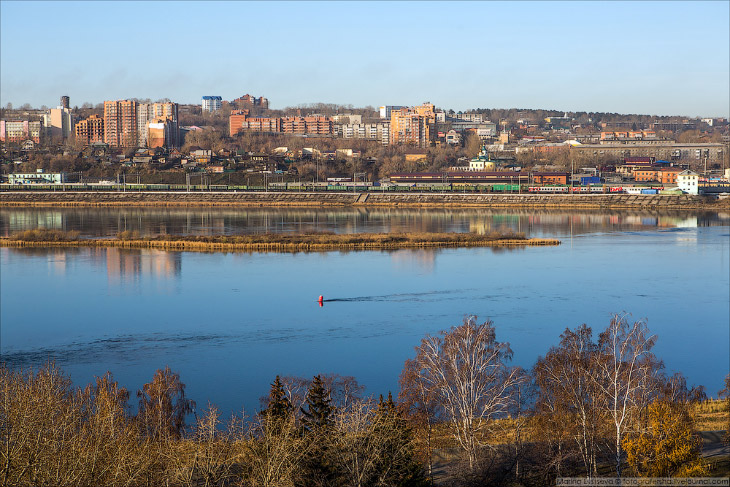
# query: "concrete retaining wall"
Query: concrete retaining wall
60,198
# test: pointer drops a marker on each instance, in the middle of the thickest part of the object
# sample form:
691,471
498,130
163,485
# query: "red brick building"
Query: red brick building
550,177
90,130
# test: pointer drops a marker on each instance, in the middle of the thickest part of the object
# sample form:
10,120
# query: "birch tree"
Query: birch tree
625,370
566,386
466,369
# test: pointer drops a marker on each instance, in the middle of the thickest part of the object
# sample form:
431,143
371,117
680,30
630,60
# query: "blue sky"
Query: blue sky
661,58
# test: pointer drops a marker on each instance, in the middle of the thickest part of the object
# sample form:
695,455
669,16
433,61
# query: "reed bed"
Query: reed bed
277,242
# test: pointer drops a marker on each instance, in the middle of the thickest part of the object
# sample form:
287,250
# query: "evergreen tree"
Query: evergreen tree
279,407
318,412
399,467
318,468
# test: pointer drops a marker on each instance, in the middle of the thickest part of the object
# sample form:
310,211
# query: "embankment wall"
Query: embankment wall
68,198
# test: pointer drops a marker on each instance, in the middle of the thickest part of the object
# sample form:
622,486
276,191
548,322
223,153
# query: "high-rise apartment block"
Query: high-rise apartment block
211,103
148,113
120,123
127,122
90,130
58,122
412,126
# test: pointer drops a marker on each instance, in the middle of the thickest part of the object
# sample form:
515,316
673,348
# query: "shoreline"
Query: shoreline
374,200
316,242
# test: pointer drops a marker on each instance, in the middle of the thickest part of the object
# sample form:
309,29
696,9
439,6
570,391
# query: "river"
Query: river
230,322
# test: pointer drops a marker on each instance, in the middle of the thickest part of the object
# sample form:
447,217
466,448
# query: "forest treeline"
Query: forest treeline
464,416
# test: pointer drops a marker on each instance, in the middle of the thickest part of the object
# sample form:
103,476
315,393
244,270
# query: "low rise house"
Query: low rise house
38,177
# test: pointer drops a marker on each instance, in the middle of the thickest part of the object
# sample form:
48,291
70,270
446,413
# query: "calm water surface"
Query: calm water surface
228,323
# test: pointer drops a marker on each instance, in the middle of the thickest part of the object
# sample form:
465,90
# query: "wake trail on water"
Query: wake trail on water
400,297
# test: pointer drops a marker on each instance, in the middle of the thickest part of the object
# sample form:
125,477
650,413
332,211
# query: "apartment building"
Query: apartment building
239,121
311,125
371,131
90,130
161,132
58,122
412,126
248,101
148,113
662,150
120,123
347,118
20,130
385,111
211,103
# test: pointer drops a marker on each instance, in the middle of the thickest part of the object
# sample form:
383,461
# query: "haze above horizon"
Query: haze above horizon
654,58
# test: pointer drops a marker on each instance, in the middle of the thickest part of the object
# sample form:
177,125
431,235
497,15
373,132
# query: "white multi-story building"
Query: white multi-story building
688,182
371,131
211,103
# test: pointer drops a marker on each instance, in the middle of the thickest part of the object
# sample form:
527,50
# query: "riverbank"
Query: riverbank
278,242
415,200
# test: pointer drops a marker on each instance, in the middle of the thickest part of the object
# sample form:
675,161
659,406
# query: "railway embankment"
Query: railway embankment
329,199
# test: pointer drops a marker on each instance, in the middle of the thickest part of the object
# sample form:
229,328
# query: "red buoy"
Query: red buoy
321,298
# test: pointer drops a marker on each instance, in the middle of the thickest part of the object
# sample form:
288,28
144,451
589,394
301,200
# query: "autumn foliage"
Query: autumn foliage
464,416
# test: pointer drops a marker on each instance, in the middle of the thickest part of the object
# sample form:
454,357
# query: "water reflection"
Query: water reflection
123,264
226,221
120,265
421,259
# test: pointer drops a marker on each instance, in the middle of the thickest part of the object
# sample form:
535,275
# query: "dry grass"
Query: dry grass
712,415
278,242
45,235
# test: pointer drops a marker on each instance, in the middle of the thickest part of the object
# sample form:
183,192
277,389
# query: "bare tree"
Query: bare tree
626,370
566,385
208,457
465,368
274,455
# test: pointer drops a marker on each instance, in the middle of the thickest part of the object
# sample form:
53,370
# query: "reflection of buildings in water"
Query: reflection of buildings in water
122,263
423,259
31,219
57,260
481,226
689,222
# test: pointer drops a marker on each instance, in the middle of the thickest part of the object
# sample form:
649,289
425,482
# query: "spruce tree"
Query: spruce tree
398,467
318,412
279,407
317,468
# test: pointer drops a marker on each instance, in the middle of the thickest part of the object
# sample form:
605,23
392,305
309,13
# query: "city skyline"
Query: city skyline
654,58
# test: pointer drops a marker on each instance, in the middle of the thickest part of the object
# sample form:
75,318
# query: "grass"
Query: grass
712,415
45,235
280,241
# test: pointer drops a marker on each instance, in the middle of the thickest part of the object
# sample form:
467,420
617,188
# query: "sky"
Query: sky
654,58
